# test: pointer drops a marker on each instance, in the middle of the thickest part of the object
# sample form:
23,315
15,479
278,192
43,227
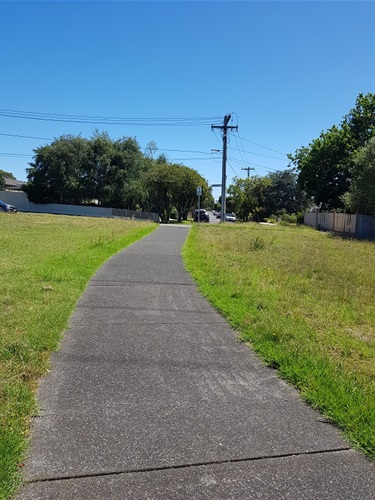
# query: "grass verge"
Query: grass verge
304,300
46,262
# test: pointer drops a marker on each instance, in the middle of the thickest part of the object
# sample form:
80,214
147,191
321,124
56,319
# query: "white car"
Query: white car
230,218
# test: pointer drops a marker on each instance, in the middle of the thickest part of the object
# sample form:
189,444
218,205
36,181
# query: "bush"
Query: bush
289,218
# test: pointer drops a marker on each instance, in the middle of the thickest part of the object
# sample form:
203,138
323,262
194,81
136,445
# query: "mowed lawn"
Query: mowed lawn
46,262
305,301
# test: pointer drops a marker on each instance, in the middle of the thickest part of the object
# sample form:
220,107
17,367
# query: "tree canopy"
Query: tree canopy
361,194
112,173
257,197
173,186
3,176
325,165
78,171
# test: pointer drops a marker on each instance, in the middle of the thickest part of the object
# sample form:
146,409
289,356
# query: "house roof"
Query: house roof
13,184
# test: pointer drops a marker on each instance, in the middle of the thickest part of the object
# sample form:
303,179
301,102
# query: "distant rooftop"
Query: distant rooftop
13,184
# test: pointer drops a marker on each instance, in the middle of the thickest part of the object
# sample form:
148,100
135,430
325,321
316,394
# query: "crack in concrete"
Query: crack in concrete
186,466
127,283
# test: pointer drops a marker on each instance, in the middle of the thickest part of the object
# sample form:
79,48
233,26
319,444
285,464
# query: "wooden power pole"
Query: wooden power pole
225,127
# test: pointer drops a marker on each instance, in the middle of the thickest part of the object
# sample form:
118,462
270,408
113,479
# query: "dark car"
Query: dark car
203,215
5,207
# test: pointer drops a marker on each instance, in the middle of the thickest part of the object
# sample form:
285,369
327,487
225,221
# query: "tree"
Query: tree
361,120
56,173
158,181
325,166
2,180
361,194
283,193
80,171
127,164
112,174
171,185
249,197
236,192
3,176
184,196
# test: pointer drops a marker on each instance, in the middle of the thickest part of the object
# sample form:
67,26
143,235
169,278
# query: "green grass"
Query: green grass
46,262
305,301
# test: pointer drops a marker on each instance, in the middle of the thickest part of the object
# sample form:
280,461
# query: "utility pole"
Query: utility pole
248,170
225,127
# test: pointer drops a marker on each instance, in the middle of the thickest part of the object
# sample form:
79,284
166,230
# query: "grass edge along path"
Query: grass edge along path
46,263
304,301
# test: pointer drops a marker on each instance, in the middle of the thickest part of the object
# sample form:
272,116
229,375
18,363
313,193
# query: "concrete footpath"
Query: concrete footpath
151,396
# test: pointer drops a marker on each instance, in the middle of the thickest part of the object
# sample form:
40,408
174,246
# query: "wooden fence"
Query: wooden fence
356,225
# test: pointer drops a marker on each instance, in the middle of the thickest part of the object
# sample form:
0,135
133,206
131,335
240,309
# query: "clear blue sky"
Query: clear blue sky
286,70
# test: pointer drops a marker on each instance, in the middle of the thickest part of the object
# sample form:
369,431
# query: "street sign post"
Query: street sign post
199,193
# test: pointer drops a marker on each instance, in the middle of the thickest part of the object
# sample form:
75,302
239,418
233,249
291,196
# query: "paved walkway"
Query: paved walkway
152,397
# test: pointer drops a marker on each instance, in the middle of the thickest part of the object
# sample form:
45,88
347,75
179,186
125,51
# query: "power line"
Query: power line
242,153
173,159
190,159
234,171
157,149
24,155
258,154
17,154
29,137
265,147
183,151
109,120
251,163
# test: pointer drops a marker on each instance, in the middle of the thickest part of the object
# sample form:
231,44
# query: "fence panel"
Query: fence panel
309,219
345,223
18,199
356,225
325,221
21,201
135,214
365,227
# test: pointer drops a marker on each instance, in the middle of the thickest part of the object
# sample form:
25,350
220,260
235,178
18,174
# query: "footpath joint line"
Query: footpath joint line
187,466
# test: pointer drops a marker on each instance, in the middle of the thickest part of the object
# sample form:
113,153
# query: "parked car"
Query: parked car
218,215
5,207
203,215
230,218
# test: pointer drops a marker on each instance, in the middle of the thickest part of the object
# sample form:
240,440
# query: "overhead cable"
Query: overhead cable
109,120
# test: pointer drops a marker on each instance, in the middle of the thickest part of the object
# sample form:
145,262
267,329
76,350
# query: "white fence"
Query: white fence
356,225
21,201
331,221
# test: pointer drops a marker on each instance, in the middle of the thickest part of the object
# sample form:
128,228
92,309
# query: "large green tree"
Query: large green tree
325,165
80,171
56,173
113,174
158,181
361,194
173,186
260,197
248,197
283,193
